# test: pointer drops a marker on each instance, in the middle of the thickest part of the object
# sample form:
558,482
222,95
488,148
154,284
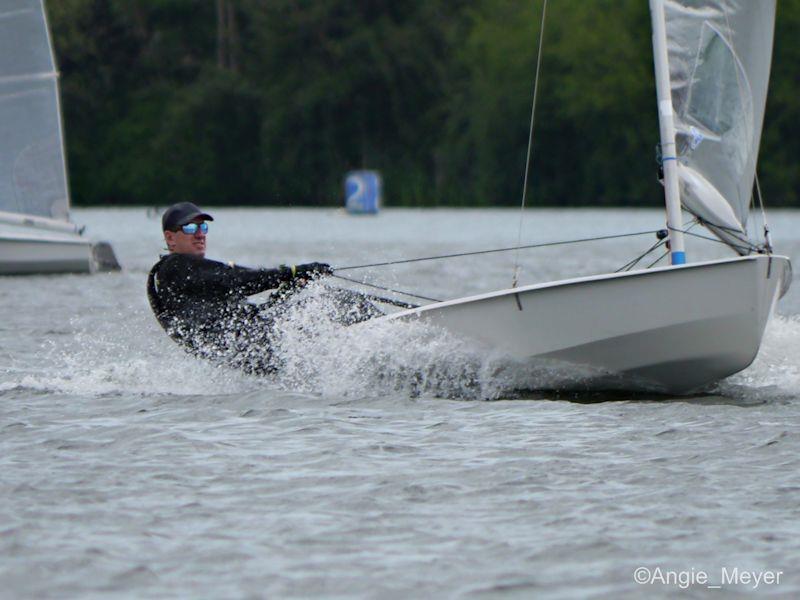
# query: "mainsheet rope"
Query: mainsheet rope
385,289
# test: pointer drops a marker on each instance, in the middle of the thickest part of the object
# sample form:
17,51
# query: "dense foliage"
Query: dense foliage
272,102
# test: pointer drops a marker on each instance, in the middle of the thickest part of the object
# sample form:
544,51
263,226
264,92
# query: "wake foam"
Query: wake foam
126,356
314,353
775,373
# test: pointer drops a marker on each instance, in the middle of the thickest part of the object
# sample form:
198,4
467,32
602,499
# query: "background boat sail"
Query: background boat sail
36,235
677,328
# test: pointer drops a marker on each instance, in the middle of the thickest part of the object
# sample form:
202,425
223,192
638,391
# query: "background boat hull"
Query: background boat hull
21,257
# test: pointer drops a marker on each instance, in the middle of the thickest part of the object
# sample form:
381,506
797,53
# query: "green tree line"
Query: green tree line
272,101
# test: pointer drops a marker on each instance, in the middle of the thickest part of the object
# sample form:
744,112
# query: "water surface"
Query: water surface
131,469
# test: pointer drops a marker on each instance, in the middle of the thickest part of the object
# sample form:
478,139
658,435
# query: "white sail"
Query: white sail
719,61
33,178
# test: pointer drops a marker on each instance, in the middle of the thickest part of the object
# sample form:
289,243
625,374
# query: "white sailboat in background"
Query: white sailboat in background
36,234
683,326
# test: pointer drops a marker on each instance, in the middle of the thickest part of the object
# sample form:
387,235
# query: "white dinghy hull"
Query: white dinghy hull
44,256
672,329
30,245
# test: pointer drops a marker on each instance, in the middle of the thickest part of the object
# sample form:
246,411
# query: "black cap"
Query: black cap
181,214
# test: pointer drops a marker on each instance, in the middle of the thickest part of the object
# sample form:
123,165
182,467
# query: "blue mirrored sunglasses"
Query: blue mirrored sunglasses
191,228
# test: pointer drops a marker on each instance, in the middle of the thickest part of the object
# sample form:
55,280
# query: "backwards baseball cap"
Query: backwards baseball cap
181,214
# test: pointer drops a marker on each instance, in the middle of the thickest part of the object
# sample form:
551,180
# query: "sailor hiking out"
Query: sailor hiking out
202,304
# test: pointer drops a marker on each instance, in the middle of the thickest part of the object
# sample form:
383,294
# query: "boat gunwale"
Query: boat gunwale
38,222
585,279
21,239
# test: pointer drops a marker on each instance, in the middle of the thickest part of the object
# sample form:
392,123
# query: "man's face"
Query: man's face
179,242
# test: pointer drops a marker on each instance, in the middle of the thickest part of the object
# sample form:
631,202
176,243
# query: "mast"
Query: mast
667,127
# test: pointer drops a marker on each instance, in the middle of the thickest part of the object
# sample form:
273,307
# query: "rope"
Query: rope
630,264
374,298
767,236
627,266
732,230
686,231
659,259
494,250
460,254
386,289
530,144
392,301
749,247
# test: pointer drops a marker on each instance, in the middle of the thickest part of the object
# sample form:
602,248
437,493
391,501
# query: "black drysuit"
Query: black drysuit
202,305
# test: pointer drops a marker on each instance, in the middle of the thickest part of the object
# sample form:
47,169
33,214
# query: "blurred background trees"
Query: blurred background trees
273,101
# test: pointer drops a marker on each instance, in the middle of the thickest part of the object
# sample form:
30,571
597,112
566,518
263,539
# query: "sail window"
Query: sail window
719,92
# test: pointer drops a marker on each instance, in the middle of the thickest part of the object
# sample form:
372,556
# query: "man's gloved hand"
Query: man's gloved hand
314,269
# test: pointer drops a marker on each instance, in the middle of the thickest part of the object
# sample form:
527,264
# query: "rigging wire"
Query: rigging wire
659,259
630,264
494,250
745,243
627,266
530,144
662,240
749,248
474,253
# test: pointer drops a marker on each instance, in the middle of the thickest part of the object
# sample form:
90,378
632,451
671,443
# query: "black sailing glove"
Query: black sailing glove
312,270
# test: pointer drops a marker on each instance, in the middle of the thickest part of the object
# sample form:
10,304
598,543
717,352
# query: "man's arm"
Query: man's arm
201,276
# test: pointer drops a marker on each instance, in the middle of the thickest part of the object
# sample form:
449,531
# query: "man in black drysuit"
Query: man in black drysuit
202,304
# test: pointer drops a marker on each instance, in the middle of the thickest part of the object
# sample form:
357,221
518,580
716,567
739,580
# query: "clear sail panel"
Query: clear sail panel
24,44
719,58
33,176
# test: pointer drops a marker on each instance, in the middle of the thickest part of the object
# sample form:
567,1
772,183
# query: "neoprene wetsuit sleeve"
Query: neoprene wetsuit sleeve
183,273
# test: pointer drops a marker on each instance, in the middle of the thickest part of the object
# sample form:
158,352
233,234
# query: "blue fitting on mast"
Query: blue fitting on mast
678,258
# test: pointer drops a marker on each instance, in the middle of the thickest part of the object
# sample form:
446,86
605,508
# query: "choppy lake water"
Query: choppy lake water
128,468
